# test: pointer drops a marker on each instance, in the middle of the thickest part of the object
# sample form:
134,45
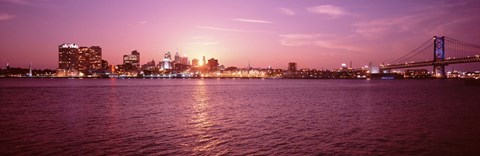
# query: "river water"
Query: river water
238,117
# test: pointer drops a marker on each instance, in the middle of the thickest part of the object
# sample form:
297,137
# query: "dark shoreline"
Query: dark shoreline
230,78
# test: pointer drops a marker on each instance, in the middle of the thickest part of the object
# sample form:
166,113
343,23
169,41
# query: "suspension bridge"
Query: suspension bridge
459,53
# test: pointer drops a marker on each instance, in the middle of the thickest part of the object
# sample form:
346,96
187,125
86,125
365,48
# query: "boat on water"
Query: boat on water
387,78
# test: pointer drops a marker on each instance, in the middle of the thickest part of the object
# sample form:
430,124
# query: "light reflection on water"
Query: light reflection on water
237,117
201,119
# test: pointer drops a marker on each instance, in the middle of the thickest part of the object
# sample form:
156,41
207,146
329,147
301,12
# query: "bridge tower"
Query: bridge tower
439,56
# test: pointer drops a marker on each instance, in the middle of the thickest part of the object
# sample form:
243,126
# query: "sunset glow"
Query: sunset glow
239,77
314,33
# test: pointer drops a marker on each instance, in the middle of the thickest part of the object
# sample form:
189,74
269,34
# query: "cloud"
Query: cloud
287,11
205,43
422,23
5,16
319,40
381,27
222,29
232,30
252,21
298,39
24,2
18,1
143,22
425,21
326,9
197,37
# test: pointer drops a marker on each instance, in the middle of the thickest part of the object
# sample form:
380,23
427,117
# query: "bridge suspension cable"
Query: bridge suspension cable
412,53
461,42
426,49
450,52
457,48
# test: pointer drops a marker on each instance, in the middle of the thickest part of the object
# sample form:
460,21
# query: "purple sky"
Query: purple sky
314,34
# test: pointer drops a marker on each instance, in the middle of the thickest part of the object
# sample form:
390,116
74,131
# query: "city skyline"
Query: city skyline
318,34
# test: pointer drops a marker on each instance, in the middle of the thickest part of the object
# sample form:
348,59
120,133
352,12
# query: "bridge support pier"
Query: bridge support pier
439,71
439,56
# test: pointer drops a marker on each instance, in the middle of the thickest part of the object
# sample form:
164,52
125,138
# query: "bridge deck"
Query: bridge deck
475,58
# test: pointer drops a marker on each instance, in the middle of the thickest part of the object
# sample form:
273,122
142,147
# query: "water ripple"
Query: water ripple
238,117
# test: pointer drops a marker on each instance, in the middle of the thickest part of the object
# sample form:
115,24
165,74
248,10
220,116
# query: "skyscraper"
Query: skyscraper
184,60
177,58
84,59
132,61
136,63
105,64
213,64
292,67
195,62
96,57
204,62
67,56
89,59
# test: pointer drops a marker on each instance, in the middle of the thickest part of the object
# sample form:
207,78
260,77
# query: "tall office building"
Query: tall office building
195,62
204,62
177,58
84,59
96,57
184,60
89,58
213,64
292,67
132,61
67,56
136,63
105,64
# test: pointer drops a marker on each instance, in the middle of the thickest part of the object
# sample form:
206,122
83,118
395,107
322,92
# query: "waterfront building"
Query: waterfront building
416,73
89,59
105,64
95,57
132,61
292,67
344,66
184,60
167,62
75,59
213,64
177,58
179,68
150,66
67,56
195,62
